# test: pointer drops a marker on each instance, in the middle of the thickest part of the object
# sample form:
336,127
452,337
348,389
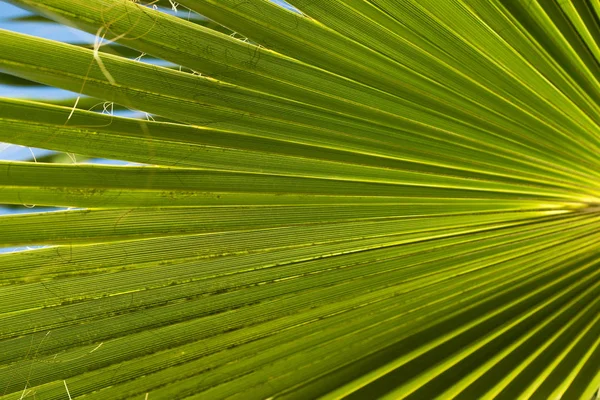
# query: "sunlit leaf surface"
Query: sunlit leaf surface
356,199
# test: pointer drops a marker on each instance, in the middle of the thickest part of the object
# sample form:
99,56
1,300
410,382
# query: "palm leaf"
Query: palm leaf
353,198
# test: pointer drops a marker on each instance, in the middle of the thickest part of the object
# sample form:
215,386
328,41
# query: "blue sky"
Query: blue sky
50,31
